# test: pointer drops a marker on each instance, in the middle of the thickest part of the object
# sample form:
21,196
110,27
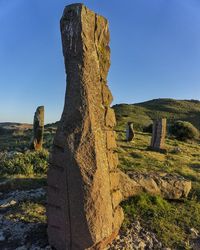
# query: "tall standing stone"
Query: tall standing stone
85,187
83,181
129,132
38,129
159,134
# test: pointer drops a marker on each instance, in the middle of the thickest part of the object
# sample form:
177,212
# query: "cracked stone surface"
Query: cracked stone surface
169,186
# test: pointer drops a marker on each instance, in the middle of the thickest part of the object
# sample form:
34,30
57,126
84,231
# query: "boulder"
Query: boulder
169,186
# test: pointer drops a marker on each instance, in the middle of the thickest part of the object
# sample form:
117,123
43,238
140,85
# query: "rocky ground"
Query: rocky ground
19,235
135,237
15,233
138,238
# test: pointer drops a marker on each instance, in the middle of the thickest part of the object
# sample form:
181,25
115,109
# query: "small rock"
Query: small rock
194,232
176,150
141,245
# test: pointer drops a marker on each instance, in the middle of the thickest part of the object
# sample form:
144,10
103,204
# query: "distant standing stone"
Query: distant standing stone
129,131
159,134
38,129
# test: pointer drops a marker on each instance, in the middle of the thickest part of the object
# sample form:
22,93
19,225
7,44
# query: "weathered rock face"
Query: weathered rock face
83,193
158,134
169,186
129,131
38,129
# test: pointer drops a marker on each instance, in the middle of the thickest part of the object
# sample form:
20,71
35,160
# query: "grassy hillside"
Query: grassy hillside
142,114
170,220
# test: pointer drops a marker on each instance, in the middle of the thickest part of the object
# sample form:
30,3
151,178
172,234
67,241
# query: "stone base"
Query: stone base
159,150
102,245
169,186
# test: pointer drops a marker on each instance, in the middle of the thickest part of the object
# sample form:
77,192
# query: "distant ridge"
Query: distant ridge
10,127
14,124
142,114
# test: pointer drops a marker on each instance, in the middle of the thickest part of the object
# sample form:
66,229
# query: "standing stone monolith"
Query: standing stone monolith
159,134
84,185
38,129
129,132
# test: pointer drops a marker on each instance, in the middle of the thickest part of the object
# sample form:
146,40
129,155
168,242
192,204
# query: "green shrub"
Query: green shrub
148,129
27,163
184,131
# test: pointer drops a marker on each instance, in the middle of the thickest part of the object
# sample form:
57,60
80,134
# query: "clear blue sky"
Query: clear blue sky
155,53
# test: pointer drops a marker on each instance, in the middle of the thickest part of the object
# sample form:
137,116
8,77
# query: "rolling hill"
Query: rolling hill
142,114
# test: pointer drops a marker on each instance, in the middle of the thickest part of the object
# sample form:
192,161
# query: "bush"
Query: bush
28,163
148,129
184,131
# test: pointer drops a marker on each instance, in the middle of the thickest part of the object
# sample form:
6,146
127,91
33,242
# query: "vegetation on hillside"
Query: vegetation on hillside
184,131
28,163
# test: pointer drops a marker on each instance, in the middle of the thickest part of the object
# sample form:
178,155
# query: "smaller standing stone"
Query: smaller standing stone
158,134
38,129
129,131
